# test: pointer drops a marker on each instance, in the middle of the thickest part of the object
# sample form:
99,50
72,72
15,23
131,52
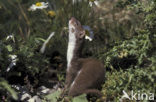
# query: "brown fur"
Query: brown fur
91,77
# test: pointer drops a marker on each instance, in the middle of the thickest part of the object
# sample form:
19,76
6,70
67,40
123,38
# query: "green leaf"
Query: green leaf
53,97
81,98
9,48
40,39
6,86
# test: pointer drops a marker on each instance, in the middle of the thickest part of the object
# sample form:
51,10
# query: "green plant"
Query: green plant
132,62
6,91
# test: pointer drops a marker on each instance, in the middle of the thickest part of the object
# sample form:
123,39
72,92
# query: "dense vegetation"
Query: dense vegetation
124,39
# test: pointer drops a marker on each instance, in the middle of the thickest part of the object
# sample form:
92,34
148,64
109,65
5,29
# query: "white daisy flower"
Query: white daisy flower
91,2
89,33
10,37
13,57
46,42
38,5
13,62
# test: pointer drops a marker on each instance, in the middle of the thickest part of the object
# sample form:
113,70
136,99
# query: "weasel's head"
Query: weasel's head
76,28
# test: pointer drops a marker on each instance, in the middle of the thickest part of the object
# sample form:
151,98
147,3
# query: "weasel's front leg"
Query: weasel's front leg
70,76
72,72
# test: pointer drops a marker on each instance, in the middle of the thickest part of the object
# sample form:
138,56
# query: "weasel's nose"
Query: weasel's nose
72,20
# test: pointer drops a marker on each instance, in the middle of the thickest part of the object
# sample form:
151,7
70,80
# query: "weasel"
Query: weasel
83,75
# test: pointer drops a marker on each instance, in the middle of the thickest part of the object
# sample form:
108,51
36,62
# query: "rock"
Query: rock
25,96
43,90
35,99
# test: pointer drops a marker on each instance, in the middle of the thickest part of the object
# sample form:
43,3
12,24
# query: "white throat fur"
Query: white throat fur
71,47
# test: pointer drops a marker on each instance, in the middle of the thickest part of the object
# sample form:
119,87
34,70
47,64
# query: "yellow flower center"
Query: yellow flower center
87,33
38,4
51,13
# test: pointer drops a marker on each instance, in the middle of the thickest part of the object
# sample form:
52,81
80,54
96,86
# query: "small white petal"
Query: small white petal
96,3
14,63
10,66
8,69
88,38
13,57
9,36
90,4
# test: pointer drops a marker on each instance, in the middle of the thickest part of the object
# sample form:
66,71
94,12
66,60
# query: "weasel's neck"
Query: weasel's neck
74,50
70,50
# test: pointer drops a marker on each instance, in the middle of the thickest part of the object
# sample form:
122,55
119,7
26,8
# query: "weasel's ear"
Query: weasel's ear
82,34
